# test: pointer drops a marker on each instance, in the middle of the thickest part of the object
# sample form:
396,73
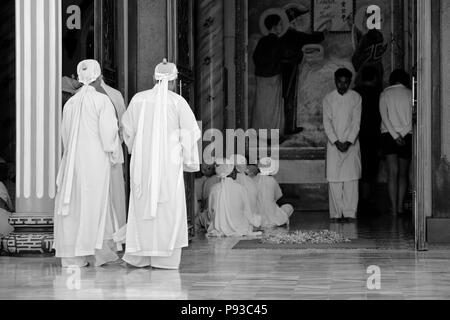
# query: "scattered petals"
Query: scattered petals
307,237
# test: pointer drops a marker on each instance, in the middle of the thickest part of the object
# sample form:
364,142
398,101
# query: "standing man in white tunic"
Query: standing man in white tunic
84,222
161,132
342,119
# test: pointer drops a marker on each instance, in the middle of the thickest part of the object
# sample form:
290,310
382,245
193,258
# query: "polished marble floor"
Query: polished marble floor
211,269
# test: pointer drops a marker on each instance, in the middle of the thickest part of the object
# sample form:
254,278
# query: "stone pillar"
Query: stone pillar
38,107
210,62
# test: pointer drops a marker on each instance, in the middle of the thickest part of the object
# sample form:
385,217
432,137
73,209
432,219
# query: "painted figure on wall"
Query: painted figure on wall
308,62
369,46
293,42
269,109
316,80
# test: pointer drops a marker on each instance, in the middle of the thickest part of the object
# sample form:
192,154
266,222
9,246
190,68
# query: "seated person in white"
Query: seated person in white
229,209
211,180
252,171
269,192
6,207
208,171
248,183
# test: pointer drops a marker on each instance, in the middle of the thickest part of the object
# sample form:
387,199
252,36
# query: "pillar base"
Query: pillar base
33,235
28,243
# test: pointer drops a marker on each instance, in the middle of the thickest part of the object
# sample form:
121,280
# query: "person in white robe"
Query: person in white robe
252,171
269,192
229,209
6,207
117,172
83,221
203,190
198,187
249,184
161,132
342,119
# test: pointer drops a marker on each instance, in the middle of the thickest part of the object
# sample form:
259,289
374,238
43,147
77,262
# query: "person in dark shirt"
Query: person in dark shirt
370,133
293,42
269,111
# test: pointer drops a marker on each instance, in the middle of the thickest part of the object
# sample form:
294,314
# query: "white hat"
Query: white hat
166,70
88,71
240,162
268,166
224,167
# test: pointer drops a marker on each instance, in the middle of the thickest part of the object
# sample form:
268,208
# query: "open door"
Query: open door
181,52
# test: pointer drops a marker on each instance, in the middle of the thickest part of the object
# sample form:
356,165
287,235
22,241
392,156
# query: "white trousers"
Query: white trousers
103,256
171,263
344,199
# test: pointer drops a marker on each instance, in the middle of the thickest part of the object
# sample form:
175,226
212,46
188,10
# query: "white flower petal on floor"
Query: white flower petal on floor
300,237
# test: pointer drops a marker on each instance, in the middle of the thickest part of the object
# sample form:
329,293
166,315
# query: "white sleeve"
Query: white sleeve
190,134
385,117
328,122
109,131
356,121
128,130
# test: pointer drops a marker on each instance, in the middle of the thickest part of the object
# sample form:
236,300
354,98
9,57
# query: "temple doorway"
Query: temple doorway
227,95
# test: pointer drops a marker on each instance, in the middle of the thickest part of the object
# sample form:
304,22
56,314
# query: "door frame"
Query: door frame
423,167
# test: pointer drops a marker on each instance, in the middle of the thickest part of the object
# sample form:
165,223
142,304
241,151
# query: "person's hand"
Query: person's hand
340,146
400,141
347,146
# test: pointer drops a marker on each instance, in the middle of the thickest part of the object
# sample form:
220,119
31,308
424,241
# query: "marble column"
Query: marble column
210,62
38,107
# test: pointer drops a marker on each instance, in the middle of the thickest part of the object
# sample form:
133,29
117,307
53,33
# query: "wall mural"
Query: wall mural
333,12
292,62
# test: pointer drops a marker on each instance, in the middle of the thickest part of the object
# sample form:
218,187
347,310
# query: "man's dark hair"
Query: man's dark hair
369,74
399,76
343,72
272,21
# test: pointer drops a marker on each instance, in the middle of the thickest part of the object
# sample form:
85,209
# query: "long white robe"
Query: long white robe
229,210
117,172
341,120
252,194
5,227
82,225
203,188
207,187
269,192
164,235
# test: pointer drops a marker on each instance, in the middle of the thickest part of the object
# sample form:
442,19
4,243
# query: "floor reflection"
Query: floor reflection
210,269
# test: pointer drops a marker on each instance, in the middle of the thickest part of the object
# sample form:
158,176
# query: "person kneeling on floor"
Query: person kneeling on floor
229,209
